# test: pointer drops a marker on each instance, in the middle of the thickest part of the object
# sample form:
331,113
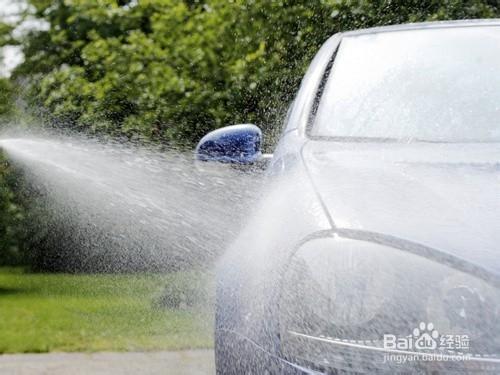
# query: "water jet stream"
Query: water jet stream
131,206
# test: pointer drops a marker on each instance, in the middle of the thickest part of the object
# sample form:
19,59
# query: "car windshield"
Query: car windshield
437,85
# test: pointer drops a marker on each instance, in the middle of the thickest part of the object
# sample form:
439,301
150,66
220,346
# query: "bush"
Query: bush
6,98
10,218
186,291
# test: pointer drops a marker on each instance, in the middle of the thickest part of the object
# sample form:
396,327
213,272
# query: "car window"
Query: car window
429,84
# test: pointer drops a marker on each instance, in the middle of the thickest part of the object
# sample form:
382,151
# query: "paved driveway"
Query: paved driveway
179,363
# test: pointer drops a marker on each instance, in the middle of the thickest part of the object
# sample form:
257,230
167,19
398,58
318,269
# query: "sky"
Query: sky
12,56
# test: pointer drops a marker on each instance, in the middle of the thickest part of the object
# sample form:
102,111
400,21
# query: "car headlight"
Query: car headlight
342,299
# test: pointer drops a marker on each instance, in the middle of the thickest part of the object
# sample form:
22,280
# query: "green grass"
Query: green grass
60,312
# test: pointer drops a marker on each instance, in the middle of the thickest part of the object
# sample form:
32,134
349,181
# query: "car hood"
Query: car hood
445,196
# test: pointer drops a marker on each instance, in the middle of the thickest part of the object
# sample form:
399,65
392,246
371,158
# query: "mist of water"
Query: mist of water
132,207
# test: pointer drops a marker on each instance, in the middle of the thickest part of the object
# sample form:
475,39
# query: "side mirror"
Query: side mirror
237,144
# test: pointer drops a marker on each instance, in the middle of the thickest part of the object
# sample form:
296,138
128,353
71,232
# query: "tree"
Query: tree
172,70
6,97
10,218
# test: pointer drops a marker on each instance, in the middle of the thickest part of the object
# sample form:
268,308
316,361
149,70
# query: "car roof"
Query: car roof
425,25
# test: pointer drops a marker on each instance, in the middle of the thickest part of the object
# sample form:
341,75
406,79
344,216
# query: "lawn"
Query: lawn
60,312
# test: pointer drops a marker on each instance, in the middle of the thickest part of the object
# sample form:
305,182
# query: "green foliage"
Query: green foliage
172,70
10,218
6,97
5,34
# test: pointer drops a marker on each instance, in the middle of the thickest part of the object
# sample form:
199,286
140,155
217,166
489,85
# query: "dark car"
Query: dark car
375,248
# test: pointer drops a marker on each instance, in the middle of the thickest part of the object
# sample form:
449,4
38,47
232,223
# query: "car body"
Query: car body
376,254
